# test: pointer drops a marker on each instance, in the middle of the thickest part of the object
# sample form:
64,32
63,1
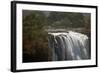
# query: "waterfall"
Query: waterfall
68,46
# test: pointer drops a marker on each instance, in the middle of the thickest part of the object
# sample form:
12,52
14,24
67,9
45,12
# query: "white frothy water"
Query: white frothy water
69,46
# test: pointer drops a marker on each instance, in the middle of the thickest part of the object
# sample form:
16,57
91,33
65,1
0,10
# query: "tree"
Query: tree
66,19
35,42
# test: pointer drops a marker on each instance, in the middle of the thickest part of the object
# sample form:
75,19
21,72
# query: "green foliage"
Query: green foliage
66,19
33,25
34,36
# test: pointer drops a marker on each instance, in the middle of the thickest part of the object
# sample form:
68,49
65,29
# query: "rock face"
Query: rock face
69,46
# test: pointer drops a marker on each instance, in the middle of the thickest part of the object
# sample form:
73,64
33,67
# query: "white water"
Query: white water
69,46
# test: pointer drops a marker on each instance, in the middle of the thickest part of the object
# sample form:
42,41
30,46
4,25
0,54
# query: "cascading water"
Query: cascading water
69,46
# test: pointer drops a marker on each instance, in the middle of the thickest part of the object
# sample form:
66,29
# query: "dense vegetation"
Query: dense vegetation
35,38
